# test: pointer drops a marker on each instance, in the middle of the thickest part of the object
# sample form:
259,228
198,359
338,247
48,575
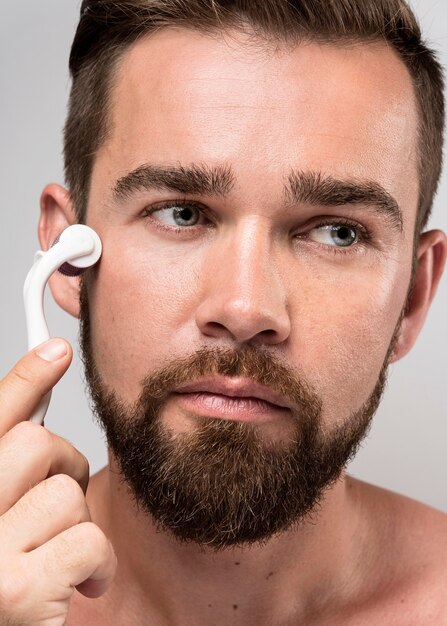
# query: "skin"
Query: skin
350,112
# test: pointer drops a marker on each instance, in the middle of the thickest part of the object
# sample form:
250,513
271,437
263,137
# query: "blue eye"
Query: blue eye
175,215
338,235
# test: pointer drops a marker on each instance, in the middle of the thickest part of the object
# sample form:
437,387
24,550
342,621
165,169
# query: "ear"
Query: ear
56,214
431,259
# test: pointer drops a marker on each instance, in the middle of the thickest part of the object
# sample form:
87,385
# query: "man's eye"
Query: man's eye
339,235
178,215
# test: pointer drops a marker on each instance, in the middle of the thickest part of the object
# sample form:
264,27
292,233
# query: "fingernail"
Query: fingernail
52,350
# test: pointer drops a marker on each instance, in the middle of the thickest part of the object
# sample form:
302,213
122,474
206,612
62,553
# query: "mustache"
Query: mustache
246,361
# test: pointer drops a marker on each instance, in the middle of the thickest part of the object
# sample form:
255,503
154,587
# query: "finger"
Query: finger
30,379
29,453
41,514
80,557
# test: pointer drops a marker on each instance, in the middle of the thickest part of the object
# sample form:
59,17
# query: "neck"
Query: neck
295,574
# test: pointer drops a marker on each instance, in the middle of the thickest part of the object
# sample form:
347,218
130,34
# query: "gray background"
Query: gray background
406,450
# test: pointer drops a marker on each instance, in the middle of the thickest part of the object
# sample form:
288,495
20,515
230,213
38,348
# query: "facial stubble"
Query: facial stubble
222,485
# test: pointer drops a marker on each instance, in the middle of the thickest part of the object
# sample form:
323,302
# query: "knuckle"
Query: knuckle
80,458
90,545
94,539
29,432
77,459
62,487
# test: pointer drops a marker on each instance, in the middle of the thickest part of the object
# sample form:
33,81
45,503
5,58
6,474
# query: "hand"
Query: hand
48,544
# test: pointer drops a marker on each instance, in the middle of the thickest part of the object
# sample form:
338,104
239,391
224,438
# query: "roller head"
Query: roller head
67,269
71,237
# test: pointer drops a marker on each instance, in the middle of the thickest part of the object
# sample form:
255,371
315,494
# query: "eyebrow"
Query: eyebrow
315,189
195,179
312,188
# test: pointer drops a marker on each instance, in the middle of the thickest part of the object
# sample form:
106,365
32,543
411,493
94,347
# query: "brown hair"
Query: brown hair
108,27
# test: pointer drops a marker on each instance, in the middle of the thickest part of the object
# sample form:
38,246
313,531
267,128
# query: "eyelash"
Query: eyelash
364,236
147,212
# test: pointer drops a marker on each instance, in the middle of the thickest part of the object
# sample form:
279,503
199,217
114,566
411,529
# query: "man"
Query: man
260,175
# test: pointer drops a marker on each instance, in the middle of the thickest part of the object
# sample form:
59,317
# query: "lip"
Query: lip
235,388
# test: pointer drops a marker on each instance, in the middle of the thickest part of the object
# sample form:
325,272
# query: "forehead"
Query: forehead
346,110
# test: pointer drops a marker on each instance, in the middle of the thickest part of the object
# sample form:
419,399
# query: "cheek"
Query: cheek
137,308
343,334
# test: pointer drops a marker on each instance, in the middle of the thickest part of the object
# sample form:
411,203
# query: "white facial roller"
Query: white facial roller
77,248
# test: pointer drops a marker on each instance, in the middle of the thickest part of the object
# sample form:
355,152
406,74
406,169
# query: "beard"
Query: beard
221,485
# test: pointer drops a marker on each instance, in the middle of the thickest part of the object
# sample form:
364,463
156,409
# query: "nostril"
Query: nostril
269,333
215,328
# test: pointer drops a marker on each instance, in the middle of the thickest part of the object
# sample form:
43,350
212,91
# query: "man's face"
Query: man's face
285,260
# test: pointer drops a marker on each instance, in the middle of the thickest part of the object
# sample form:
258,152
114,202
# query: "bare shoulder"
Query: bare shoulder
411,544
407,520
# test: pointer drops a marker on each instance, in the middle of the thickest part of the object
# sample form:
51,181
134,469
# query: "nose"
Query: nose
243,297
